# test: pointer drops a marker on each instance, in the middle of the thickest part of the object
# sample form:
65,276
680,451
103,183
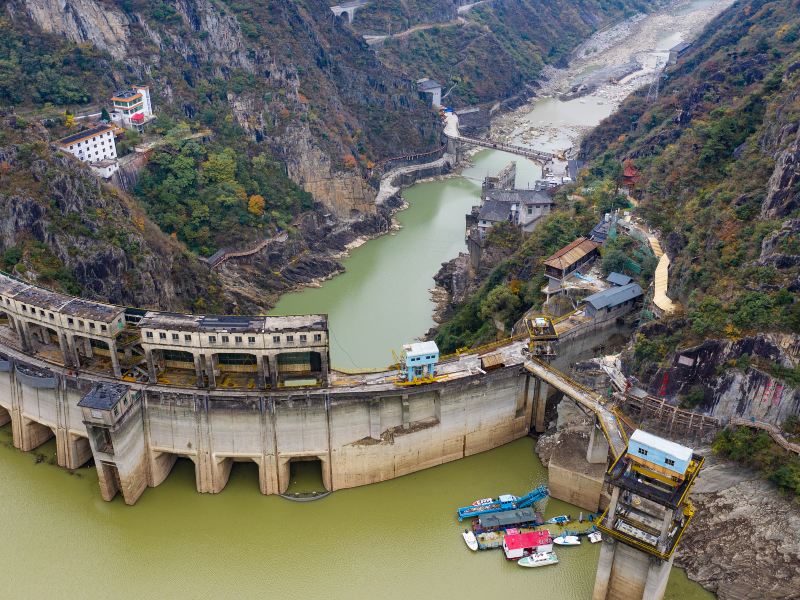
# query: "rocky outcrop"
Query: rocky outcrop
747,390
308,258
81,21
783,188
742,542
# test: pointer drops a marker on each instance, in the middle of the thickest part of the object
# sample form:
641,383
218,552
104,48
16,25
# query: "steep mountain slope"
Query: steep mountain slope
60,227
718,155
496,49
284,72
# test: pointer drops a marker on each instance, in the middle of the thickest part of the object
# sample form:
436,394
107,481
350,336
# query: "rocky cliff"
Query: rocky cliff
61,227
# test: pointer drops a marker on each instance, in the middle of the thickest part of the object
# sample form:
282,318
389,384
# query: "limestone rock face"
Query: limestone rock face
747,391
82,21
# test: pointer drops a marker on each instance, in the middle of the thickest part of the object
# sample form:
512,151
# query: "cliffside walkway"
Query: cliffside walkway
452,132
225,254
774,432
587,398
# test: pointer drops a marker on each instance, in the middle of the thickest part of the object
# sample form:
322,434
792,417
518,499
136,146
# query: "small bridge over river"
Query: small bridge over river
539,156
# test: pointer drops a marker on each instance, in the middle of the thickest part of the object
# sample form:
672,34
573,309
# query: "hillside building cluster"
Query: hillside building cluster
96,145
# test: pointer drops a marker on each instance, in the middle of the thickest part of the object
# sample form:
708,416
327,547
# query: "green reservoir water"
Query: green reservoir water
393,540
382,300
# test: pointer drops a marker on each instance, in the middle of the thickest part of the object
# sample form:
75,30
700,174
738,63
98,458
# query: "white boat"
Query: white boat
595,537
470,540
539,559
567,540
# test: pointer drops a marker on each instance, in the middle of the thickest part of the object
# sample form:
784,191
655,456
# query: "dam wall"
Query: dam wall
358,437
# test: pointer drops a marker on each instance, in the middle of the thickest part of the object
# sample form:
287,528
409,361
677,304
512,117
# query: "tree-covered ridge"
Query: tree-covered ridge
208,194
712,153
501,46
39,68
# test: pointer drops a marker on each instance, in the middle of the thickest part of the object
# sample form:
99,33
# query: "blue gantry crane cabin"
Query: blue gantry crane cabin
421,359
658,458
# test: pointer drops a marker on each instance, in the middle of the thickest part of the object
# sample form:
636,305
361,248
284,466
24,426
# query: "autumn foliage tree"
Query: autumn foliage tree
255,205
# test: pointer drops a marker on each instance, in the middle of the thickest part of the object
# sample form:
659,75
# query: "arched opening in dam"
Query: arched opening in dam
306,476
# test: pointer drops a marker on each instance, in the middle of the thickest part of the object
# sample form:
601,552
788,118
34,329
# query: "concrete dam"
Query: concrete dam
136,391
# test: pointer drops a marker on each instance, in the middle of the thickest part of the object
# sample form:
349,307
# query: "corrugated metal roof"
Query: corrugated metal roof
571,253
659,443
618,278
104,396
614,296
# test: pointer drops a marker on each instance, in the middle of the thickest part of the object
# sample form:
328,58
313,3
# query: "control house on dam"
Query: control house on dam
135,390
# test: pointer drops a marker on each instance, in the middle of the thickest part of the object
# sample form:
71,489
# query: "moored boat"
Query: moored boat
567,540
559,520
595,537
470,540
539,559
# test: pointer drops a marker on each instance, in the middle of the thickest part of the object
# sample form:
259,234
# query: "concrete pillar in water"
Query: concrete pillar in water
540,405
625,573
597,452
32,435
115,423
72,451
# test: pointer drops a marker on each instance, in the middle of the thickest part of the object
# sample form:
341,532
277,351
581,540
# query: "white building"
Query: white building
429,88
94,146
132,108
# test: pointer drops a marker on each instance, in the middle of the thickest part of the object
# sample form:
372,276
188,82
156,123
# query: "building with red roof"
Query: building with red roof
517,545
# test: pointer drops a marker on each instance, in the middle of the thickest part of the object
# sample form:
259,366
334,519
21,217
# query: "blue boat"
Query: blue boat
502,503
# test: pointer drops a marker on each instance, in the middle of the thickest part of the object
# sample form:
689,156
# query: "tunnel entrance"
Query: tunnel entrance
305,477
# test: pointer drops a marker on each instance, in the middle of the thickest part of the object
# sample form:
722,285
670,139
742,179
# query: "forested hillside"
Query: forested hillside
298,100
498,48
718,155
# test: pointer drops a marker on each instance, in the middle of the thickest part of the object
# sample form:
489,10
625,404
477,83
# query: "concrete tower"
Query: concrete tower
648,514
